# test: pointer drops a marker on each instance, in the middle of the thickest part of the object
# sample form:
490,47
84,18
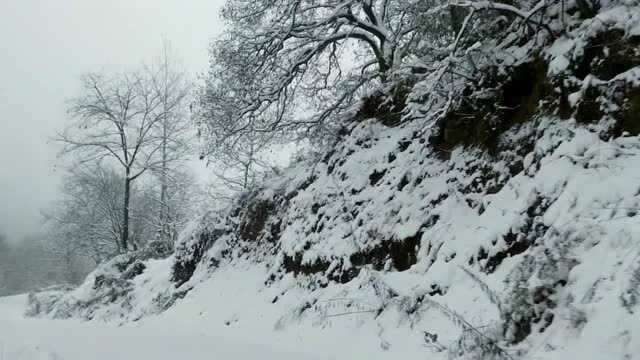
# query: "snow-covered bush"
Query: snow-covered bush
109,291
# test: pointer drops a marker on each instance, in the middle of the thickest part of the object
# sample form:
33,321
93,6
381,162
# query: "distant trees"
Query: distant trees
84,225
133,121
87,220
4,259
27,265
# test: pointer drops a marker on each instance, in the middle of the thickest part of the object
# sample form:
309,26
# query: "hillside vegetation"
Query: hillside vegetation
503,225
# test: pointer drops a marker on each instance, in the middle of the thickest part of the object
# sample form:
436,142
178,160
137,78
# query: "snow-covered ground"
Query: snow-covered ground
228,316
160,338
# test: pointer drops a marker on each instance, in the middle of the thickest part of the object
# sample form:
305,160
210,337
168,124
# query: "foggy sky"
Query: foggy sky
44,46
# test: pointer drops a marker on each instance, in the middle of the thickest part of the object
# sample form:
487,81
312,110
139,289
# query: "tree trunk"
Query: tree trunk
164,213
125,212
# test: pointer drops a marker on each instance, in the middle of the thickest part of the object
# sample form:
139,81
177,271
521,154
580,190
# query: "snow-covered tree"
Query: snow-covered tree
120,117
179,203
87,220
279,58
84,225
174,130
238,168
291,69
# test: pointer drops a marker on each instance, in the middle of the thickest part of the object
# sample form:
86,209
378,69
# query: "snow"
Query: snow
571,46
176,337
586,183
558,52
566,192
591,191
228,316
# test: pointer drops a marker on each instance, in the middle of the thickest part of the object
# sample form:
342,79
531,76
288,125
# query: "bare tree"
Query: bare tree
115,118
84,225
291,69
179,201
238,169
289,66
174,127
87,220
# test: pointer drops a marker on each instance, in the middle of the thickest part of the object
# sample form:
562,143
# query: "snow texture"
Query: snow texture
387,248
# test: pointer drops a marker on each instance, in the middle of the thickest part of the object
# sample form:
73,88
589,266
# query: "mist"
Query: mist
46,45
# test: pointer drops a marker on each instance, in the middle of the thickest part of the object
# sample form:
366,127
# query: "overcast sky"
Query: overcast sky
44,46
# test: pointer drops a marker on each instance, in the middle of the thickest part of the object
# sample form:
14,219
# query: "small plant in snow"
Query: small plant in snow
491,295
481,342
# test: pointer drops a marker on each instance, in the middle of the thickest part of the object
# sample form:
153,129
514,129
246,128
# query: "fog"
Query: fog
44,47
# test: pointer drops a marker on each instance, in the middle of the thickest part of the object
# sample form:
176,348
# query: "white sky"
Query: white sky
44,46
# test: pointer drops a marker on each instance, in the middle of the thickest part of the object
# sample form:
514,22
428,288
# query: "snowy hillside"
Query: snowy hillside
419,241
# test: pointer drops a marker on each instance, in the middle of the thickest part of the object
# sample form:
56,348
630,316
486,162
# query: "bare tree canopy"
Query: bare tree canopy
85,225
291,69
131,120
115,118
277,58
174,129
87,220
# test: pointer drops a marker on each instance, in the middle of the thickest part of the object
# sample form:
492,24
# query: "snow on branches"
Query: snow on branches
298,69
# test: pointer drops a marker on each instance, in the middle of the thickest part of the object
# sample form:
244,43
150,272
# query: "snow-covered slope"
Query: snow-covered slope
402,242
